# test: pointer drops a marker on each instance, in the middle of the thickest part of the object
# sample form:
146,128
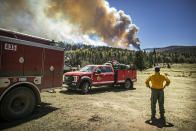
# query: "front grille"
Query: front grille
68,79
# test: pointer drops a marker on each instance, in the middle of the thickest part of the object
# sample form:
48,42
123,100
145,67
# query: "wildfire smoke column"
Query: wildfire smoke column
95,16
69,20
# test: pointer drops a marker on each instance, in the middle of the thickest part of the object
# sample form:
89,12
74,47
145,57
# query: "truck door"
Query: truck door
98,78
108,75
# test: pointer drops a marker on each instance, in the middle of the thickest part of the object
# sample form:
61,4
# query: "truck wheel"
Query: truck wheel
128,84
85,87
18,103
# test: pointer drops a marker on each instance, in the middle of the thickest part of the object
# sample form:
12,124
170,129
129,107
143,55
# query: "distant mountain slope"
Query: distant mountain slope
174,49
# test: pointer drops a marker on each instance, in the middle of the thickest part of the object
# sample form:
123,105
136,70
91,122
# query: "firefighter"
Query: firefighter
157,93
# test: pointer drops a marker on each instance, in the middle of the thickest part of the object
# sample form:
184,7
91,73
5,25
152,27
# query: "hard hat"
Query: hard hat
157,68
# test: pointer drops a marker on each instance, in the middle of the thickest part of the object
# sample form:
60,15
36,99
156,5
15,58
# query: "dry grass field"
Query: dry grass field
116,109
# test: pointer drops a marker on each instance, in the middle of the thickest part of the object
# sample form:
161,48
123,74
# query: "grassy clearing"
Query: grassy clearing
108,108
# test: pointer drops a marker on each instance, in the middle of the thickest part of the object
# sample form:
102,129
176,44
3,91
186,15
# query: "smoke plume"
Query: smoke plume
69,20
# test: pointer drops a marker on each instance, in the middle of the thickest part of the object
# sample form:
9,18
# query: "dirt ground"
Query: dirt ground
116,109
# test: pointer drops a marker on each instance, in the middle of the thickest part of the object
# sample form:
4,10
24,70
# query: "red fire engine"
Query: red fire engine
28,65
98,75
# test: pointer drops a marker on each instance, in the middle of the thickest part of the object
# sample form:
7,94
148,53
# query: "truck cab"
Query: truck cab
99,75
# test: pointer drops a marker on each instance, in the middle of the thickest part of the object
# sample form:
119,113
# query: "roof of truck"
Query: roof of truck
23,34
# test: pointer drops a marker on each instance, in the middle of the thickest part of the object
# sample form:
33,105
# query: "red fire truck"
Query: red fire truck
28,65
99,75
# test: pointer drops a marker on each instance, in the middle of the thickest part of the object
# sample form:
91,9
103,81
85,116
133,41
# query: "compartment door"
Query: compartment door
33,61
48,69
53,68
12,59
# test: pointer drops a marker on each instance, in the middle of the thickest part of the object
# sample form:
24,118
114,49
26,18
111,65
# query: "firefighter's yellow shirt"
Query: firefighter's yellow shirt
157,81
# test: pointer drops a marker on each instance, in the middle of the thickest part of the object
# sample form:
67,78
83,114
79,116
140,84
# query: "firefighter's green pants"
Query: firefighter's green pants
157,94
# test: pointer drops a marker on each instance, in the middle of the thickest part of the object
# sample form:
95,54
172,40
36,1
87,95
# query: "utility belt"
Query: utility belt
157,89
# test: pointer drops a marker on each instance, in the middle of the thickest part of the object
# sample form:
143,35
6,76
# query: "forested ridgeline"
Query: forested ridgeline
178,49
86,54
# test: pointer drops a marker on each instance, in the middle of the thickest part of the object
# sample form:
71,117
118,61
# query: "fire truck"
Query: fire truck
28,65
111,74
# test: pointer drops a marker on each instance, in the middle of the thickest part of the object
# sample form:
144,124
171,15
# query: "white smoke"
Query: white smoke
59,20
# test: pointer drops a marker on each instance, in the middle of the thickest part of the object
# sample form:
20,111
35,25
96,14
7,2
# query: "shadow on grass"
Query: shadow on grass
40,111
158,123
97,90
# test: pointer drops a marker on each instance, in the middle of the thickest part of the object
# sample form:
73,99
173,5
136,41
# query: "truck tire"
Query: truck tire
128,84
85,87
18,103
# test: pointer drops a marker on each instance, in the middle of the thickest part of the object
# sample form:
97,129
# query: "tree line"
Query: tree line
80,54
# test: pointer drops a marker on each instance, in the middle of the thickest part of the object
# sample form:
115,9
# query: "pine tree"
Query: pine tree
139,60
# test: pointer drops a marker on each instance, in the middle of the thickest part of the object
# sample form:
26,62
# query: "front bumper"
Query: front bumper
72,85
69,83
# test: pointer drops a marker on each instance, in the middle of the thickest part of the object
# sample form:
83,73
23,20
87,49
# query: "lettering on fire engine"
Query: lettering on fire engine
10,47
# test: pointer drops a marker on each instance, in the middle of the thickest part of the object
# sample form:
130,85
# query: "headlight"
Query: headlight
66,77
75,78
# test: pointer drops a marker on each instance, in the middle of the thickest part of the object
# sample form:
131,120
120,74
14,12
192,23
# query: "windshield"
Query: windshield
87,69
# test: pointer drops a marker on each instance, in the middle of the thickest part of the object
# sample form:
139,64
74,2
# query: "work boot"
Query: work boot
153,119
163,121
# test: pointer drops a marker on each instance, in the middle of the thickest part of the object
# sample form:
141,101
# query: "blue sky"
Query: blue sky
161,22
